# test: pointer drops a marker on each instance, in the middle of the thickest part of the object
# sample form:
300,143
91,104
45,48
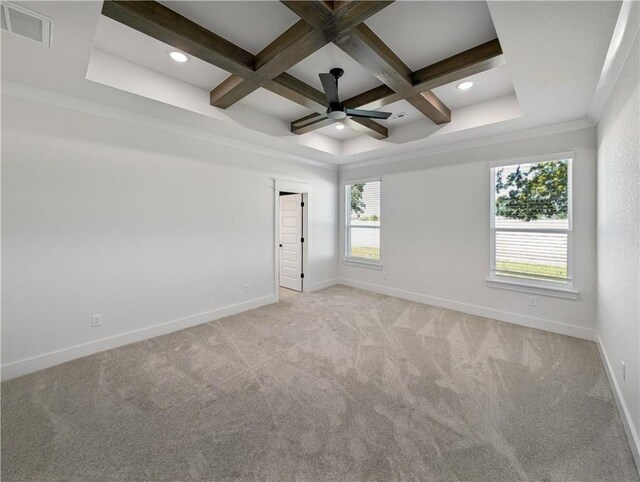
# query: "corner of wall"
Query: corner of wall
625,415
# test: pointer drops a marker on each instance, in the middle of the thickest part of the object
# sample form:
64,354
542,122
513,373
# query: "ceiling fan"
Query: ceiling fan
336,110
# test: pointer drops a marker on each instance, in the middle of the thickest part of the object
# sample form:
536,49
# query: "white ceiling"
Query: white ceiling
422,33
554,52
342,134
244,24
487,85
118,39
492,84
269,103
356,79
250,25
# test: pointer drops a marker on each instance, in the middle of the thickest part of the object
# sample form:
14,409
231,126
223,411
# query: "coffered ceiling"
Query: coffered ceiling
546,73
303,39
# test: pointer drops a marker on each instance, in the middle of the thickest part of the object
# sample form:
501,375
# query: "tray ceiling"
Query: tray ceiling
549,76
419,31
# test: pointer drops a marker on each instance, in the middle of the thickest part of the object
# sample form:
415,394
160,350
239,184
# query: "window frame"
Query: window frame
355,260
536,285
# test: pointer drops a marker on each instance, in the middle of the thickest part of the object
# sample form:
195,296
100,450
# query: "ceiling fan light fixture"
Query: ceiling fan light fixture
339,126
178,56
336,114
336,110
465,85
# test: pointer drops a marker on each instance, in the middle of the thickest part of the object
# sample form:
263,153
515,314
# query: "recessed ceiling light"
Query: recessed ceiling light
178,56
465,85
339,126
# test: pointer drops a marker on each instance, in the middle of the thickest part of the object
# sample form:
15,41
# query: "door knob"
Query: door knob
281,246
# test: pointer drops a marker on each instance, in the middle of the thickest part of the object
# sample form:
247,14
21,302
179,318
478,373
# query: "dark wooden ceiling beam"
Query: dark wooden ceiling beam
294,45
297,91
318,123
359,124
338,5
367,126
372,99
370,51
430,105
308,119
478,59
367,48
157,21
316,14
230,91
322,22
457,67
318,27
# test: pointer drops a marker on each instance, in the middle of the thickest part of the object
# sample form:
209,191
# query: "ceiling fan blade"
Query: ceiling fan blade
371,114
330,86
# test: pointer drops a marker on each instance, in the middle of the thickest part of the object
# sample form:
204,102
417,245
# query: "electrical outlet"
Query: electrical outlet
533,301
247,287
96,320
385,275
623,368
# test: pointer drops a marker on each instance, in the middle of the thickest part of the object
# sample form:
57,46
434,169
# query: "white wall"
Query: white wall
141,225
435,233
618,319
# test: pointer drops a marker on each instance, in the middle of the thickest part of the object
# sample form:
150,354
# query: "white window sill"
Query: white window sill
360,263
532,288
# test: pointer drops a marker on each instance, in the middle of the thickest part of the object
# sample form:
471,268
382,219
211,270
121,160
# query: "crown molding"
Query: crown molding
475,143
80,105
622,40
88,107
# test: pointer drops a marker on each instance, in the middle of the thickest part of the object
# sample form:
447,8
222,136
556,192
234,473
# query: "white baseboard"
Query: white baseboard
509,317
629,428
40,362
323,284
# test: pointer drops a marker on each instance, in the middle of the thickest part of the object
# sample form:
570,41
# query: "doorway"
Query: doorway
291,241
291,236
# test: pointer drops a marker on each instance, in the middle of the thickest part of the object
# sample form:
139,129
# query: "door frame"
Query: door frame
293,187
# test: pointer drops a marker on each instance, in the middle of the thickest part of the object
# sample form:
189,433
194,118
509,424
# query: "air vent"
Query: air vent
21,21
399,115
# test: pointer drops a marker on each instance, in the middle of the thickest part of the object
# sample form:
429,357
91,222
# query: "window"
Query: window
362,233
531,221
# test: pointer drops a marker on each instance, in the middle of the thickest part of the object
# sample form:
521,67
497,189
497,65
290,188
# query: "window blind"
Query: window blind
531,220
362,234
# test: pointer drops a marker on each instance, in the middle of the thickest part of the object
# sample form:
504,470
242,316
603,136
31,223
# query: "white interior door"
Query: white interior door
291,241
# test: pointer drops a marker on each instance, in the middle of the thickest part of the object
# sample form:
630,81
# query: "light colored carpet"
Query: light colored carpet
340,384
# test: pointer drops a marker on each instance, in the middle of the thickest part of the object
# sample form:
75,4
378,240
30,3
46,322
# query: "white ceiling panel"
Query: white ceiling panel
269,103
356,79
486,85
341,134
250,25
115,38
402,113
554,51
422,33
